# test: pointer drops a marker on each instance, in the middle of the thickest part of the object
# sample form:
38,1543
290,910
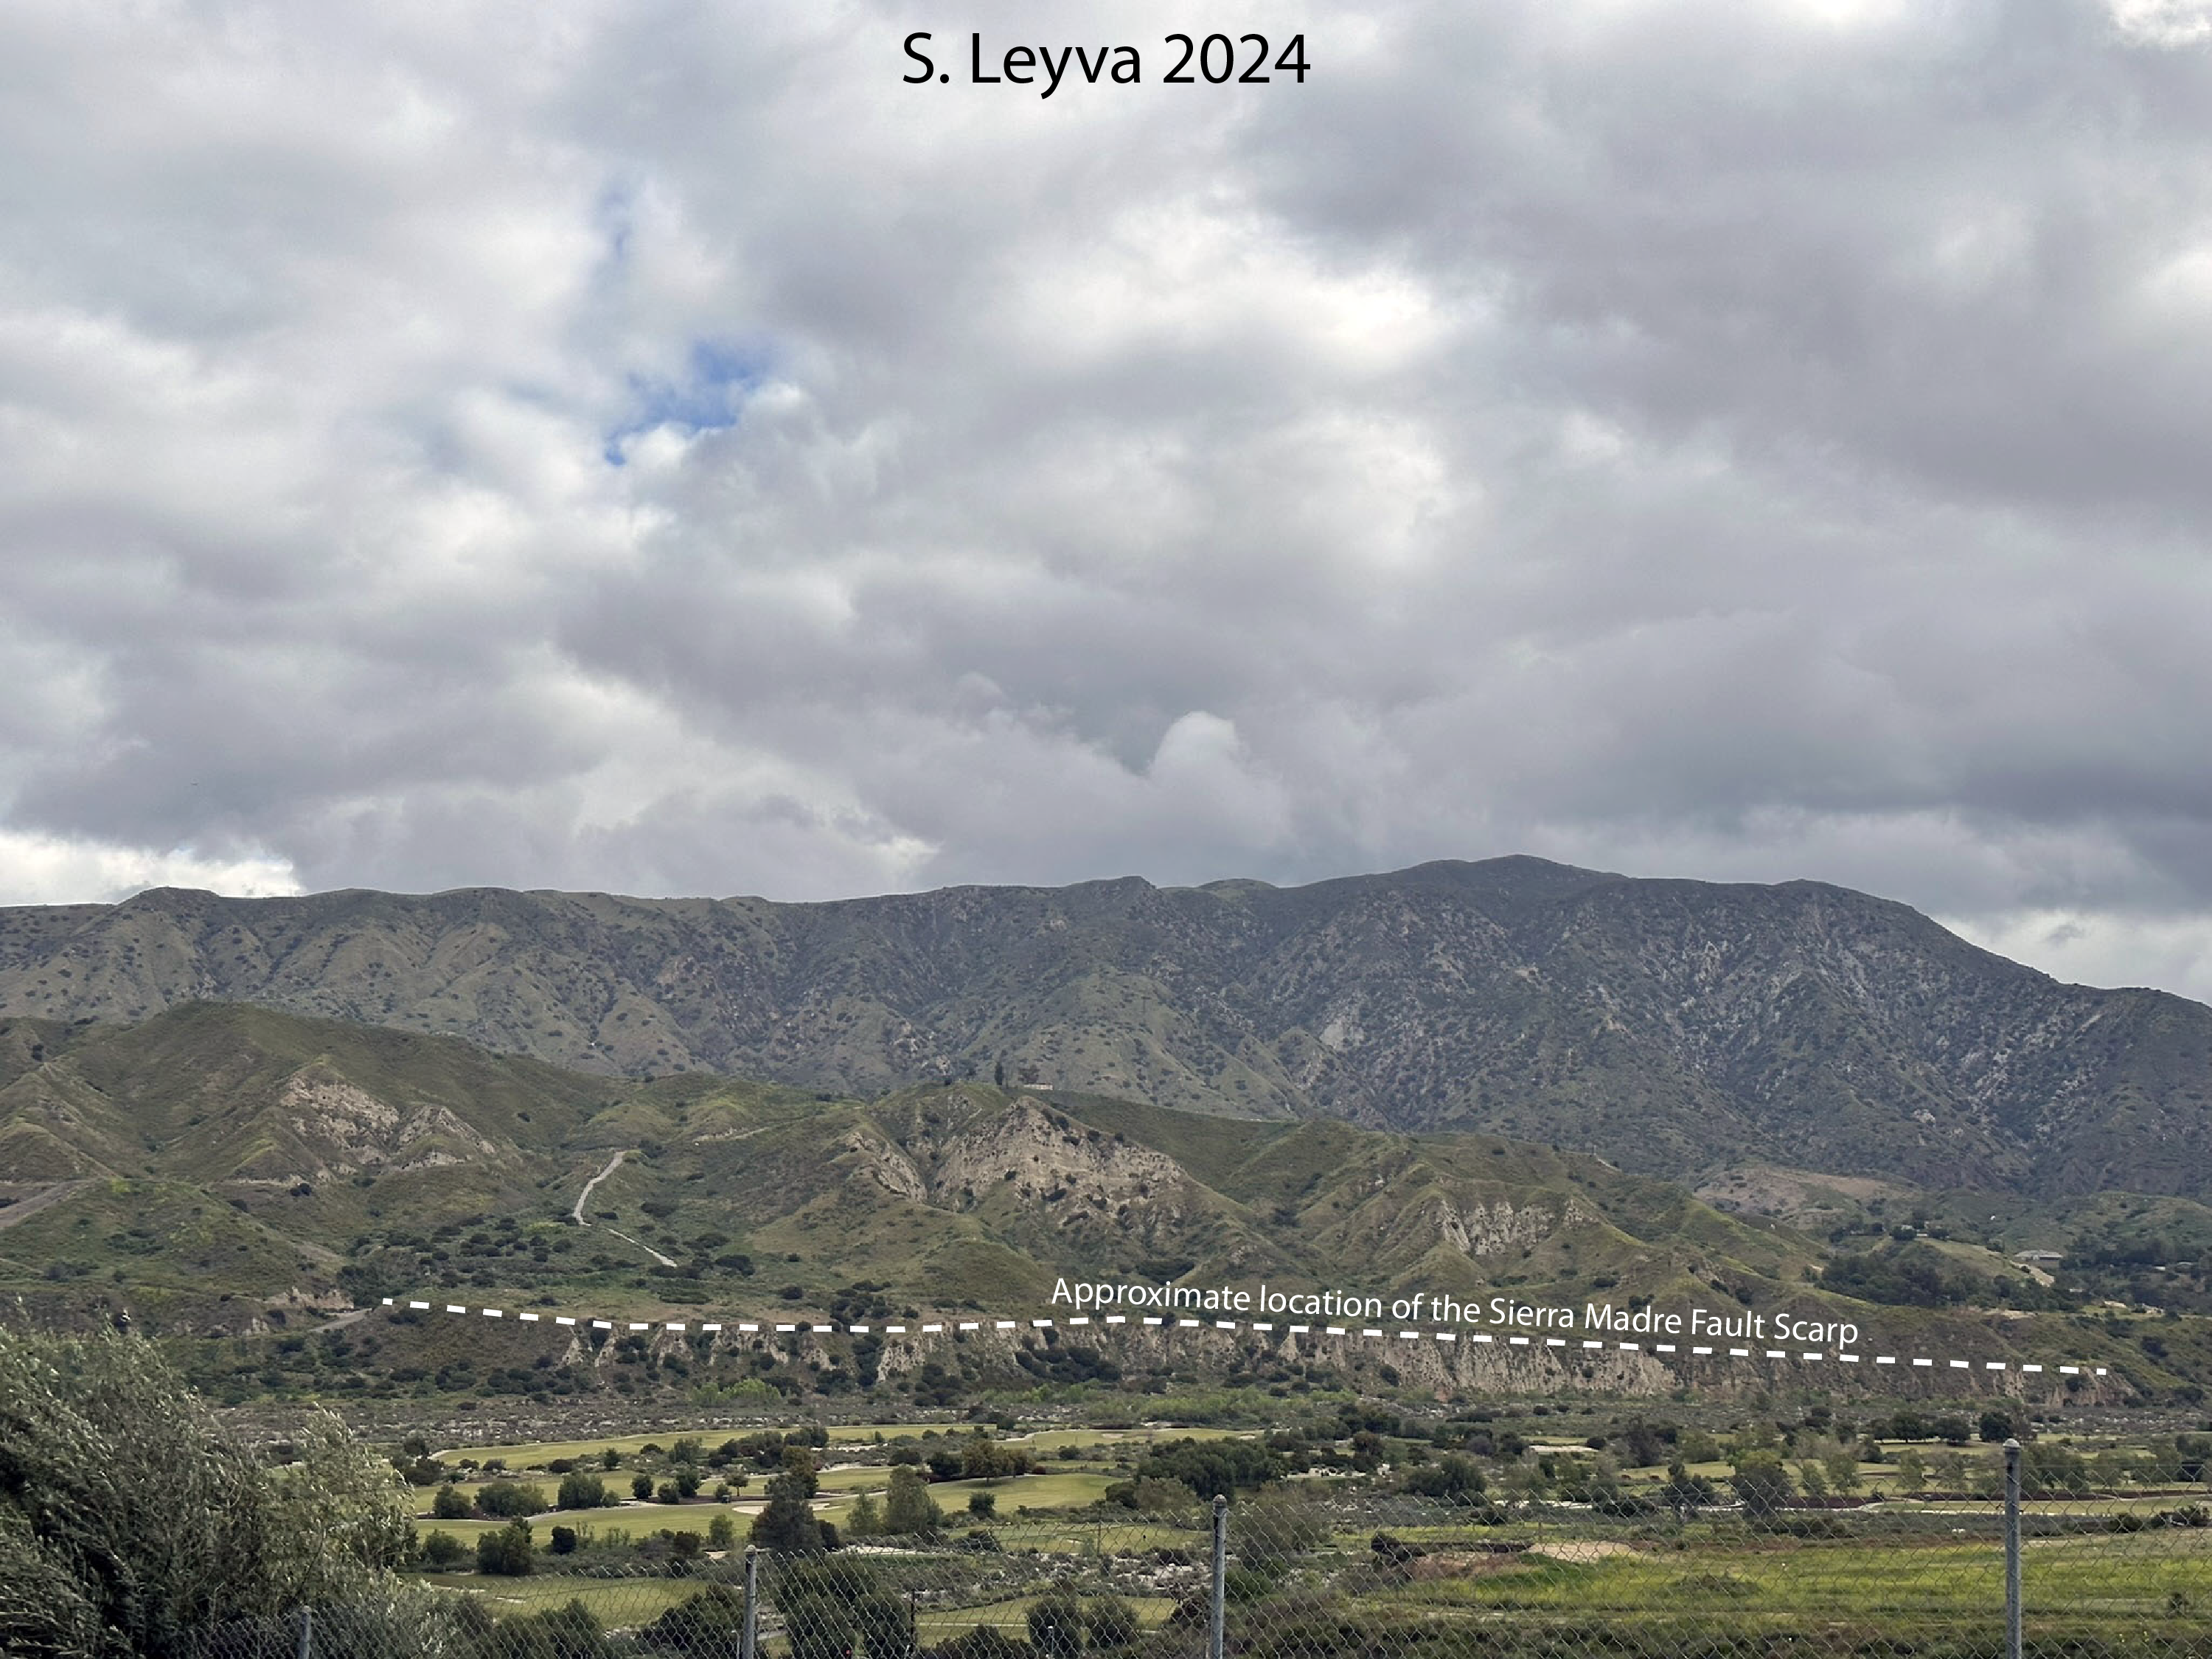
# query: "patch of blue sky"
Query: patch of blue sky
719,377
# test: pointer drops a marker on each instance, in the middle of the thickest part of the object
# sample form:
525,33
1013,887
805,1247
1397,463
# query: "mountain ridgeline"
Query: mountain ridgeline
1675,1028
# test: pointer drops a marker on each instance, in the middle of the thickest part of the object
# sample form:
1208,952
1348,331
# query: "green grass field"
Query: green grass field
1893,1575
1049,1491
521,1456
637,1520
1898,1578
537,1454
1039,1493
617,1602
1043,1442
1012,1615
2136,1592
1844,1594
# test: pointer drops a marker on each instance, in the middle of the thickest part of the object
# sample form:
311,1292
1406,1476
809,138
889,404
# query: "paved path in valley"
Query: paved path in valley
24,1208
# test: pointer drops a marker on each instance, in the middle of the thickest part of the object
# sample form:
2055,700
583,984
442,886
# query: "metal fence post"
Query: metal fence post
1216,1635
748,1642
306,1633
2012,1549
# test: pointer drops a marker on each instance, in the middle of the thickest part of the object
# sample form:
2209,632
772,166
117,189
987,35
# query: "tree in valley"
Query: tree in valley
788,1525
908,1506
1762,1483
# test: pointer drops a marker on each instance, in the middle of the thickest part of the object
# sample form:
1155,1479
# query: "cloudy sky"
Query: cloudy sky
648,446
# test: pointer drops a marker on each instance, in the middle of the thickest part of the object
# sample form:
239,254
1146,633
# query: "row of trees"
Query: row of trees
981,1456
580,1489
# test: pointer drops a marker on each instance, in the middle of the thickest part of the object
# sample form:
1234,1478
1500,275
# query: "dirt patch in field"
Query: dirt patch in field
1791,1194
1581,1549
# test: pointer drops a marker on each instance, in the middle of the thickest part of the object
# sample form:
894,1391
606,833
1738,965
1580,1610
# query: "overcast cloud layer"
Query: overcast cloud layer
648,447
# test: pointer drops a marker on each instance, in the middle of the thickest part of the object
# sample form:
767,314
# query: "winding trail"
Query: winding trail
585,1197
665,1260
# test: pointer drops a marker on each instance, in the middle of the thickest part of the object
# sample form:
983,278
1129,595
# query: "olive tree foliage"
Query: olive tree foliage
130,1515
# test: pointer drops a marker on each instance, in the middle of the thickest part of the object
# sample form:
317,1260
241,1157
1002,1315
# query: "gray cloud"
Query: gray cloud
651,448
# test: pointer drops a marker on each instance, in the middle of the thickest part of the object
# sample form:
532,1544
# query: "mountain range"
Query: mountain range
1680,1029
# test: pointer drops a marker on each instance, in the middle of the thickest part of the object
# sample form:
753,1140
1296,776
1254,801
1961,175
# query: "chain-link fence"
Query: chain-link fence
2021,1560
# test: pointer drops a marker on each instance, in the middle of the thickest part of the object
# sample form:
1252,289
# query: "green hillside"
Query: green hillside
1681,1029
223,1170
363,1146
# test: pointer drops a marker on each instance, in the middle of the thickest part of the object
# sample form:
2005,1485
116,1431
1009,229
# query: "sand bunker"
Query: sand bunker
1581,1549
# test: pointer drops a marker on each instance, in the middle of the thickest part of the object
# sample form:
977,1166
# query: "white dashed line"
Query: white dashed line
1807,1356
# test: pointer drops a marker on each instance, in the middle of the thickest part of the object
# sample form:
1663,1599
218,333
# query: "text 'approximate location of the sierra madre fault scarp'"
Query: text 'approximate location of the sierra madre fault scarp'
1083,1296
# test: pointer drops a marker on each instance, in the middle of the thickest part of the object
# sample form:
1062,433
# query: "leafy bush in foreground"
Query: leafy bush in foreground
129,1515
